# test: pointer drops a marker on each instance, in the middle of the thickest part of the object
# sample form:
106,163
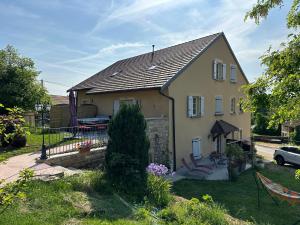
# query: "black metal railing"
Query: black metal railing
69,139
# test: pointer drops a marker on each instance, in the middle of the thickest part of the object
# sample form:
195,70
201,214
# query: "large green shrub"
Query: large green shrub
12,131
158,191
127,151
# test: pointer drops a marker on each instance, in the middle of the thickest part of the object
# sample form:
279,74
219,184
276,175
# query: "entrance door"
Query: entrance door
219,144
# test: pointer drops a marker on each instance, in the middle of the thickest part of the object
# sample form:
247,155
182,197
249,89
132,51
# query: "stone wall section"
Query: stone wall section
158,133
92,159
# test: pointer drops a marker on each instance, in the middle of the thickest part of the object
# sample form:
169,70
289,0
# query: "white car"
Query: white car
287,154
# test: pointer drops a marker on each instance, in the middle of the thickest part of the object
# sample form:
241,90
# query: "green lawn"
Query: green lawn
87,199
240,197
67,201
34,144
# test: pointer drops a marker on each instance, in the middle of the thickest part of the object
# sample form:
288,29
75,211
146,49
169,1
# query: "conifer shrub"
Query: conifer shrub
127,151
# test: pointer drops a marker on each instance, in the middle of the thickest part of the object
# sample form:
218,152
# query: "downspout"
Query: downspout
173,127
76,103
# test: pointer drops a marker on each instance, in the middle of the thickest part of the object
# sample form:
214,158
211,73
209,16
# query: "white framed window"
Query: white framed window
116,106
233,73
196,148
241,105
85,101
129,101
219,105
124,101
232,105
219,70
195,106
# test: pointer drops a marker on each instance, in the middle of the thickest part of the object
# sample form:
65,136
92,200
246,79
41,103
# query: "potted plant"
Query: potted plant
236,158
84,147
260,163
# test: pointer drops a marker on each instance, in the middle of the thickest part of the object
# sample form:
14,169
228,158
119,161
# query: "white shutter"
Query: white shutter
233,73
202,105
224,71
190,106
196,145
215,69
116,106
219,103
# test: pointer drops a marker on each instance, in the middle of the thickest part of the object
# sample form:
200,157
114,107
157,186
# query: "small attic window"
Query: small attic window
152,67
115,73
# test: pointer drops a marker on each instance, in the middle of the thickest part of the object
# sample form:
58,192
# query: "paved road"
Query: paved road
266,152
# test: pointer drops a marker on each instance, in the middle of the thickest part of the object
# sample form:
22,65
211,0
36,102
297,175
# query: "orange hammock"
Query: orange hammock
279,191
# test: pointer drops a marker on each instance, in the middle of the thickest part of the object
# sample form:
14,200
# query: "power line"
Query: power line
56,83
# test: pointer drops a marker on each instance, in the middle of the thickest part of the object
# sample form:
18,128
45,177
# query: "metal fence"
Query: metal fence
70,139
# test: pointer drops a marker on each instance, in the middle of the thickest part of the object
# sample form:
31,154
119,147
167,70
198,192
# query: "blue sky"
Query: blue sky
71,40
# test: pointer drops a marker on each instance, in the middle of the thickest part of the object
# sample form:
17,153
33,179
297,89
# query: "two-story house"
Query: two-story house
189,93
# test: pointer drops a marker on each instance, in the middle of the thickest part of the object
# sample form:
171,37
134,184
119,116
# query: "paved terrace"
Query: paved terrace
10,169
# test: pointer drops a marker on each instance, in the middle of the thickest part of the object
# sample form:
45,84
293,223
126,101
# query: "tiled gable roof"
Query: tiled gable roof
148,70
59,100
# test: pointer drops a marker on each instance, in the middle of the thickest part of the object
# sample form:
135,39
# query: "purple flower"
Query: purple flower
157,169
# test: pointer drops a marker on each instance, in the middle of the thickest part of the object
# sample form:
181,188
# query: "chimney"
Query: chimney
152,56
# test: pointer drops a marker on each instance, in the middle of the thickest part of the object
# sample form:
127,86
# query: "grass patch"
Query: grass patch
67,201
34,144
240,197
87,199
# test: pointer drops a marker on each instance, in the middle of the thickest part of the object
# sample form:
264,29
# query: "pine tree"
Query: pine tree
127,151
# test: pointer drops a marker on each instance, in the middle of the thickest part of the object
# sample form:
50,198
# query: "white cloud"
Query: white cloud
65,53
137,9
104,52
13,10
65,68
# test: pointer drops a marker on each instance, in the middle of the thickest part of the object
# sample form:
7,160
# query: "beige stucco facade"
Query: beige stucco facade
195,80
153,104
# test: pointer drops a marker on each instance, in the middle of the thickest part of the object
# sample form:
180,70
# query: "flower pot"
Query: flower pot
233,172
242,166
84,150
260,165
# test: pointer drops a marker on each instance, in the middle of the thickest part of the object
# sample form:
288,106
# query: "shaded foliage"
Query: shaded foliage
296,135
